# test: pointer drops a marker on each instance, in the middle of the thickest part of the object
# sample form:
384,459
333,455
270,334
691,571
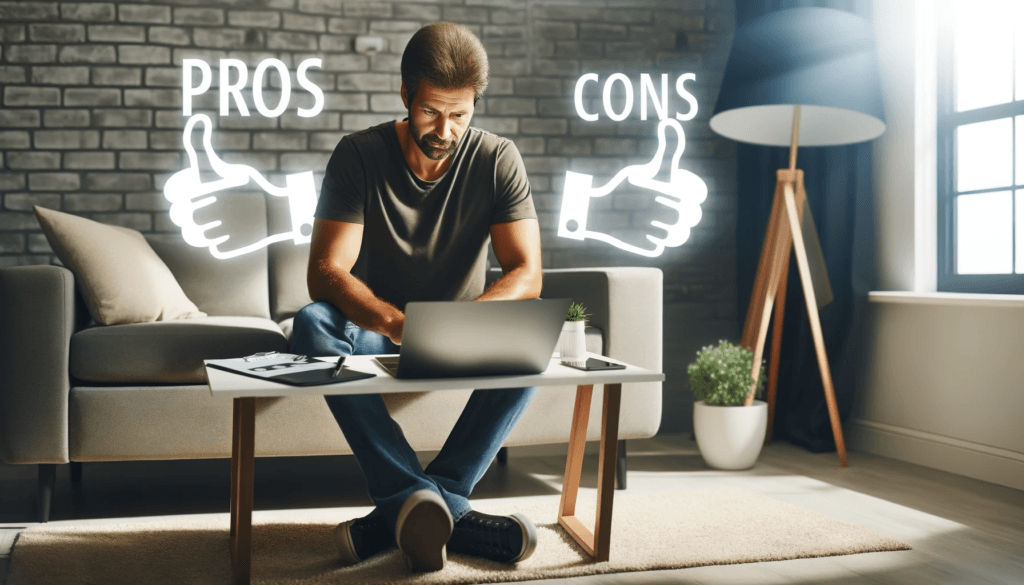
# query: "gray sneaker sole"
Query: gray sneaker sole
422,531
343,538
529,537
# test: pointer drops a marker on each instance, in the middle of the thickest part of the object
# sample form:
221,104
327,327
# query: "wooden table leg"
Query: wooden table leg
243,437
574,460
235,425
606,470
596,543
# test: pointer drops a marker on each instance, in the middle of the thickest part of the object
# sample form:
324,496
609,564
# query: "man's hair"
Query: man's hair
445,55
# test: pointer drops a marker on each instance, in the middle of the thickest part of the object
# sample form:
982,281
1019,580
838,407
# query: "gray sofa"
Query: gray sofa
72,391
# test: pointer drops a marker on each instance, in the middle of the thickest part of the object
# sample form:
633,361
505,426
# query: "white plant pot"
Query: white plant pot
572,344
730,437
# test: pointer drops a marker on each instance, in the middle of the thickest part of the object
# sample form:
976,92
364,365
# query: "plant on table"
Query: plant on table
576,312
572,343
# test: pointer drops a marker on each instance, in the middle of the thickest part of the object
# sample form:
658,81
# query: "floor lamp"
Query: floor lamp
802,76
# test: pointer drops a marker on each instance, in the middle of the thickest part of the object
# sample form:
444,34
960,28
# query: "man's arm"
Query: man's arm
332,254
517,248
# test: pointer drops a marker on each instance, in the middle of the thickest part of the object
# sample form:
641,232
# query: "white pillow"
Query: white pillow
118,273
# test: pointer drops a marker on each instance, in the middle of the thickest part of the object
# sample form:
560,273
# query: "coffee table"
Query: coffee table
245,390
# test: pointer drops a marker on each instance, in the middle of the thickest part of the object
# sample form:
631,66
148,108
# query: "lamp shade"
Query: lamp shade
821,59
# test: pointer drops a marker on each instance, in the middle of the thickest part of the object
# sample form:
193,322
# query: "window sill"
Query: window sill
947,298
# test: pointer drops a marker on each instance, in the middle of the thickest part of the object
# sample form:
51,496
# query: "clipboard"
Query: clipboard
287,368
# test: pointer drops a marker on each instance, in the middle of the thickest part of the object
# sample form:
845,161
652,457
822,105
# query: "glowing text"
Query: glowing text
648,94
232,91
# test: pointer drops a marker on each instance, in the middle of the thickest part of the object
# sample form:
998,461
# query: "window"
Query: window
981,146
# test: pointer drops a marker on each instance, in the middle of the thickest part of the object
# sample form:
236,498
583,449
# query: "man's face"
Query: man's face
438,118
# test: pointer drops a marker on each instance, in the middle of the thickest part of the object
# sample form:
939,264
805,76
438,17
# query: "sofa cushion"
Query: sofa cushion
288,327
224,287
287,264
234,287
120,277
168,352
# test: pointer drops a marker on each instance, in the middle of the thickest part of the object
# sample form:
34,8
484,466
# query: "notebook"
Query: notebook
287,368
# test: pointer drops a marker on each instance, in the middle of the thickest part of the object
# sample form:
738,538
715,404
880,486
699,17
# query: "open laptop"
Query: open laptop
447,339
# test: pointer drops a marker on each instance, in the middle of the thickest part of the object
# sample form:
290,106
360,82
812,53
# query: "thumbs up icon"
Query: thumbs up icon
684,192
188,193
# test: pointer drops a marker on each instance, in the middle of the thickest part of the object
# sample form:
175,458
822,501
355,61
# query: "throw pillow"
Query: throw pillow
119,275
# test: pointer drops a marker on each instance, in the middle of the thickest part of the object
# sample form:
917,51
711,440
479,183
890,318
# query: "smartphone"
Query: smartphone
595,364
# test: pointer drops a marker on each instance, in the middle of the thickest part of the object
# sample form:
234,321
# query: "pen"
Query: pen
337,368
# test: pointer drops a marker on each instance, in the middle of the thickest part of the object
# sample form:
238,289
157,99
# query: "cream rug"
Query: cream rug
649,531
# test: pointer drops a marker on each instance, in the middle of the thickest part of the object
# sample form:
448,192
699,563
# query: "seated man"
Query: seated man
406,212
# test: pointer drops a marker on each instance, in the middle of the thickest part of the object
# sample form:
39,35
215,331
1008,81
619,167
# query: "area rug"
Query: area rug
649,531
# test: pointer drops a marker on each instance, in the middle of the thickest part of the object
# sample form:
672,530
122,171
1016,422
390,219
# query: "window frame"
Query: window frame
948,120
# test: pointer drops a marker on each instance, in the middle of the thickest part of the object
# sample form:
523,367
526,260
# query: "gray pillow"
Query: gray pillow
119,275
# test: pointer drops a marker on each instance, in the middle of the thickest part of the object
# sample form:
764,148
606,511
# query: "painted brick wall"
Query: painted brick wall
91,117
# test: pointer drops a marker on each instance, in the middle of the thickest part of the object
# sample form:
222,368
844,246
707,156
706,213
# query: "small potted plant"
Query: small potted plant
572,343
728,423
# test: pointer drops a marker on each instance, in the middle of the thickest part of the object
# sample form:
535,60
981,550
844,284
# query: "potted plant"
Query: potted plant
572,343
728,423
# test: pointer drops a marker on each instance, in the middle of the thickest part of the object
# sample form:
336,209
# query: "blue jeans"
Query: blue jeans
388,462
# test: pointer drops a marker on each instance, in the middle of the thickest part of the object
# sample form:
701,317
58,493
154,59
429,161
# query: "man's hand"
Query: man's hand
333,252
395,330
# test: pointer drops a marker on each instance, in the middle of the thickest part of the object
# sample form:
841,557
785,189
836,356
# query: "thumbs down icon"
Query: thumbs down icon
682,193
188,193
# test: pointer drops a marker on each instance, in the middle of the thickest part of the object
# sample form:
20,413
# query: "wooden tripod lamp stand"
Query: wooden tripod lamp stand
799,76
785,231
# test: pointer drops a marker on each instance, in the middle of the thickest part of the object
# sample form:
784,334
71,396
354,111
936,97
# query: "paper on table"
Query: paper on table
268,368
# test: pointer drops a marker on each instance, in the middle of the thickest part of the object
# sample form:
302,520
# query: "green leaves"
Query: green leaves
721,376
577,312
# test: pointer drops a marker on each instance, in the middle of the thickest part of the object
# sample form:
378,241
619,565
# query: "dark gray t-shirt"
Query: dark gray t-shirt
424,240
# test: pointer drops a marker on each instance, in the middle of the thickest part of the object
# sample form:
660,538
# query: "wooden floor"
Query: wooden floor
963,531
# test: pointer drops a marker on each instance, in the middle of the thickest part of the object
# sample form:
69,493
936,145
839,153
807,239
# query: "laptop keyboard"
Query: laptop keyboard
389,363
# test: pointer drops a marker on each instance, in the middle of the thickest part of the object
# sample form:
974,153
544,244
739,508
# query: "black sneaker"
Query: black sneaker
422,531
361,538
505,539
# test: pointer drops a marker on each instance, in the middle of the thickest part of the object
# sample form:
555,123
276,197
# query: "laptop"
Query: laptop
447,339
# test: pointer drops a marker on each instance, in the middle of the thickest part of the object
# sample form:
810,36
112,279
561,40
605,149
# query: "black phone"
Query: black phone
595,364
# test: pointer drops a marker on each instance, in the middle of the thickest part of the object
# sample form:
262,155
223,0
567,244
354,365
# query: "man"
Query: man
405,214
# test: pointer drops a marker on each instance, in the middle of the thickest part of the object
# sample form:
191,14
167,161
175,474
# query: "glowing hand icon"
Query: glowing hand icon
684,192
188,193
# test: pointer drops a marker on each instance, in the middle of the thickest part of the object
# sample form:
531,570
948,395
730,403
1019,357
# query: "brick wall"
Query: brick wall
91,117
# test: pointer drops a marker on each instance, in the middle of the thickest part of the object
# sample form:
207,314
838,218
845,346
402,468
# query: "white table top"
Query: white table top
223,383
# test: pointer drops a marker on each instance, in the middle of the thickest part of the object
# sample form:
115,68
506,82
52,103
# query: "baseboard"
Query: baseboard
983,462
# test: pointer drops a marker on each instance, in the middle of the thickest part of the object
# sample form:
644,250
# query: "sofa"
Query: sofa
72,391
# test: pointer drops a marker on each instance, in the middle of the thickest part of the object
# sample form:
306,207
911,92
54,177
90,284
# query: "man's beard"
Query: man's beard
431,145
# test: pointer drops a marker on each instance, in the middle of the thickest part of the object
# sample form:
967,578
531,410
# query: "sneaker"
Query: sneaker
505,539
422,530
361,538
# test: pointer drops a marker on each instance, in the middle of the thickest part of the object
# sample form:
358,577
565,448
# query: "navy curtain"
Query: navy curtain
838,180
